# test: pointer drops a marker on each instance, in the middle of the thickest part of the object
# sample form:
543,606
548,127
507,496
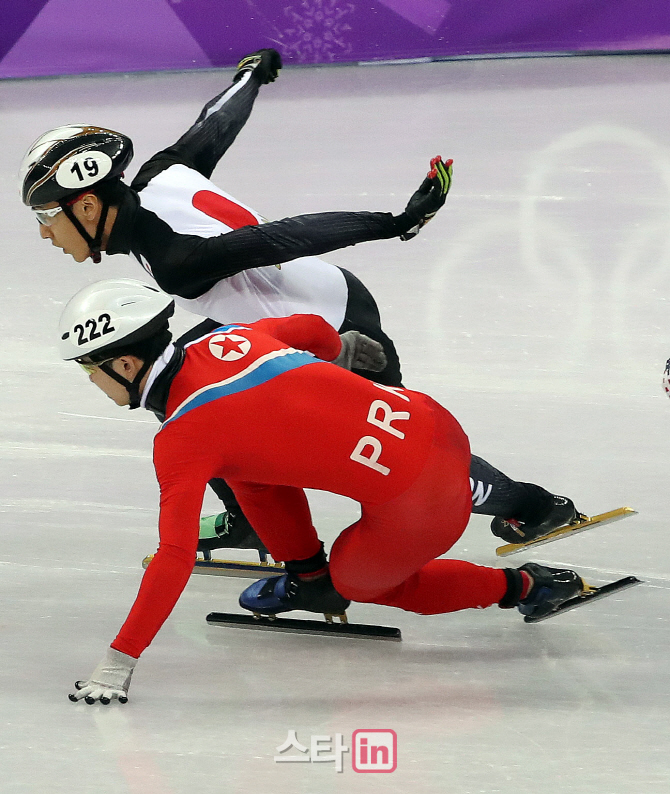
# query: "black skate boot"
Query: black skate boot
228,531
558,513
306,585
288,592
551,588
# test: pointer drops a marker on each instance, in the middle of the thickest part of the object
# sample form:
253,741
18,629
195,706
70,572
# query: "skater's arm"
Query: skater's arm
161,586
204,144
351,350
304,332
188,265
183,472
183,484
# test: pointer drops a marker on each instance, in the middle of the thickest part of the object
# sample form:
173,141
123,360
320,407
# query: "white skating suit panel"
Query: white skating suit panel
303,286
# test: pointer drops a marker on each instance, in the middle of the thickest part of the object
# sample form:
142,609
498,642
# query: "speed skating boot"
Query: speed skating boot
228,531
551,588
285,593
560,512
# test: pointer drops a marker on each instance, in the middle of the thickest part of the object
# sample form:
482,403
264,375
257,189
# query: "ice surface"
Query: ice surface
535,307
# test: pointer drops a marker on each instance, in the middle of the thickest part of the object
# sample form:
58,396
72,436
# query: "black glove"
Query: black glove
429,197
360,352
265,63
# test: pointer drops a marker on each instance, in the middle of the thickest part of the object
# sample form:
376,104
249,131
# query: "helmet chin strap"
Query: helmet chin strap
94,243
133,386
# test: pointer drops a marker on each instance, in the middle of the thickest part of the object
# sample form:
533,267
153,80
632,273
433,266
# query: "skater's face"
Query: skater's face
127,367
62,232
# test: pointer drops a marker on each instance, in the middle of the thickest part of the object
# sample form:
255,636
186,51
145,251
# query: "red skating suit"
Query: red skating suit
250,406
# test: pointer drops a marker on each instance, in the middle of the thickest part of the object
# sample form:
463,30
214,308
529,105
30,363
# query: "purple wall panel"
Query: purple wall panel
109,36
14,19
42,37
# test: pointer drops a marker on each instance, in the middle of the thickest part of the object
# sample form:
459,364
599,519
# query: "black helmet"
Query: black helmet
68,160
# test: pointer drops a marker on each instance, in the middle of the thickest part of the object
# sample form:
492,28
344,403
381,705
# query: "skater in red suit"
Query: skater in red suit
262,406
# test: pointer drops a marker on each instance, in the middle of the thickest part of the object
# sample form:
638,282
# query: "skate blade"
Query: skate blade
568,529
238,569
298,626
588,595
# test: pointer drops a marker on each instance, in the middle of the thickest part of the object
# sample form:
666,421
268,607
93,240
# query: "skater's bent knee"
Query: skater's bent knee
359,586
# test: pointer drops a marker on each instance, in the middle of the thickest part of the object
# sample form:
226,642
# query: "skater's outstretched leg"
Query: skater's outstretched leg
389,555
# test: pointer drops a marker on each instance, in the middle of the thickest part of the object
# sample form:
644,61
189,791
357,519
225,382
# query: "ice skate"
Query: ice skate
286,593
230,531
560,513
549,530
556,590
270,597
551,588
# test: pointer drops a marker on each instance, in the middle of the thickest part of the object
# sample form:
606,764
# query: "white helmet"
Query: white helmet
107,315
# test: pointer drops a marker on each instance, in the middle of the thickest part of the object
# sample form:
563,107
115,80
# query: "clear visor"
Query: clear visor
46,217
89,367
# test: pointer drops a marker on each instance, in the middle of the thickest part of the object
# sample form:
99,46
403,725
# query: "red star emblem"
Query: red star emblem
229,347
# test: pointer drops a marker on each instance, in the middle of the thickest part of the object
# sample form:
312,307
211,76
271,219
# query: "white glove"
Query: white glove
110,679
360,352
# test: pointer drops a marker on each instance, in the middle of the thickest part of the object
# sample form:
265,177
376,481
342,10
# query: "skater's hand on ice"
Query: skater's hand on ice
110,679
428,199
360,352
264,63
